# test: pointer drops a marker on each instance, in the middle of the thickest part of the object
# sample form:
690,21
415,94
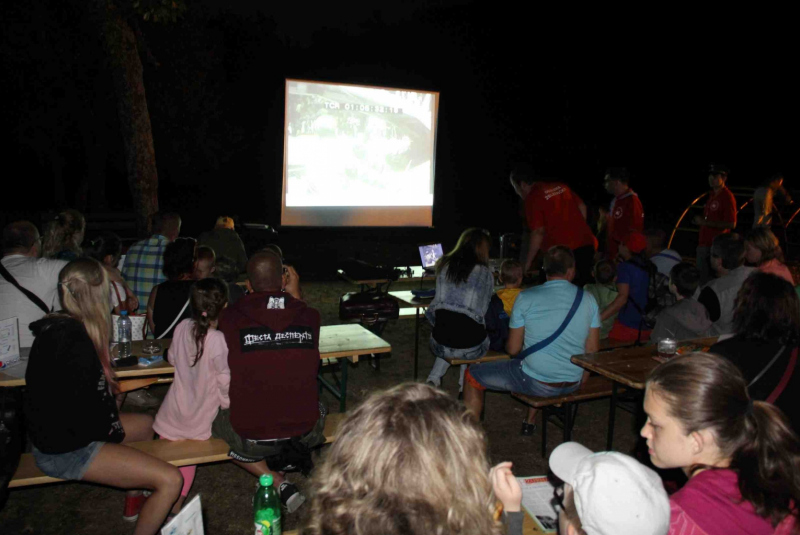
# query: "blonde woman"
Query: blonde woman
762,249
408,461
84,438
63,236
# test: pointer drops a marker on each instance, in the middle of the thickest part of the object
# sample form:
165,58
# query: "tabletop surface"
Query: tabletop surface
408,300
336,341
630,365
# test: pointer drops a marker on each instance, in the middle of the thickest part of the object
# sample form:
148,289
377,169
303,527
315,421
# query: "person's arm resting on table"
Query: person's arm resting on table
623,290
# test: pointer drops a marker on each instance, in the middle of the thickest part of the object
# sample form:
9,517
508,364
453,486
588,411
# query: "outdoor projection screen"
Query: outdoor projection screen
358,155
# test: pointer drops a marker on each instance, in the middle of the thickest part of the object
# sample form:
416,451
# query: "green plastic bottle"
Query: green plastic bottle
267,508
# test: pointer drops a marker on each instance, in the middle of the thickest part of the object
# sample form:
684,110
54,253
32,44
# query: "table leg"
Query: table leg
416,344
343,386
612,411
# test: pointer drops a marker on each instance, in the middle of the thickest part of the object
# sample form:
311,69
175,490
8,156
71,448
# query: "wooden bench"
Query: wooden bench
488,357
176,453
594,388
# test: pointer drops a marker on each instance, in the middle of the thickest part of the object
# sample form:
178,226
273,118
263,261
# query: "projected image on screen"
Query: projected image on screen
358,155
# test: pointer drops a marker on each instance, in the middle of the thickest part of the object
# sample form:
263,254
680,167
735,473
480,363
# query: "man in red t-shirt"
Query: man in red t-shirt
555,216
625,215
719,217
273,355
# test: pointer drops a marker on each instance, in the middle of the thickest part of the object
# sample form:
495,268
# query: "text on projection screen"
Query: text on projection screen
358,156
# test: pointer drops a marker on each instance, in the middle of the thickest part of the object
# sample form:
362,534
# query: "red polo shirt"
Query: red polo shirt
554,206
625,215
720,207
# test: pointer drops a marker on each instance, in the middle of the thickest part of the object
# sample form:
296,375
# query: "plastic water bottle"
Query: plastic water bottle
267,508
124,328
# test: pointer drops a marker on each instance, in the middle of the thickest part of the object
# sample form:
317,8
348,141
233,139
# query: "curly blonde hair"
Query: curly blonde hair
409,460
64,233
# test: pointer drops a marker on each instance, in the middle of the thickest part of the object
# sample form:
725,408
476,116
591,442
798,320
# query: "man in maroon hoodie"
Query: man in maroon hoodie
273,355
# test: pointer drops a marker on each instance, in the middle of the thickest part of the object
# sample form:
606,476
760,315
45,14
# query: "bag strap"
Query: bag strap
29,294
767,367
785,379
168,329
119,299
550,339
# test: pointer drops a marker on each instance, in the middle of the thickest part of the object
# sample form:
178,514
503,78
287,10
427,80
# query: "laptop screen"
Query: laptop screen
430,254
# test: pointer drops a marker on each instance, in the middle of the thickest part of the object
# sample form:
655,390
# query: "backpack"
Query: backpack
658,295
497,322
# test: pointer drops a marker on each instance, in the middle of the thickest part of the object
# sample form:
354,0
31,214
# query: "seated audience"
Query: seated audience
143,267
464,287
686,318
741,456
549,324
663,259
107,249
168,304
407,461
63,236
226,271
85,438
762,249
273,355
206,263
511,279
224,240
38,277
605,492
202,376
604,291
719,295
633,282
767,323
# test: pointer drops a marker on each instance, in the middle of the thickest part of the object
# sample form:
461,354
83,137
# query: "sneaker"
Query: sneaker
142,398
291,498
133,504
527,429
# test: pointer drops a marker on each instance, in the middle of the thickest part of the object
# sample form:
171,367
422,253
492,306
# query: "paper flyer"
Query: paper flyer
188,522
9,342
537,498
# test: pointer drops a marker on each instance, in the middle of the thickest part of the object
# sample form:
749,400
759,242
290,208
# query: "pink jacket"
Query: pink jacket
198,391
777,268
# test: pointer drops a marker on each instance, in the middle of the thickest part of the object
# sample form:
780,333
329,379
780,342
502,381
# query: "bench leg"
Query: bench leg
612,410
343,386
416,344
545,414
567,421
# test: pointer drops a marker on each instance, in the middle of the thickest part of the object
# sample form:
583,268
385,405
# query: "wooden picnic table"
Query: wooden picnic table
629,366
409,301
347,341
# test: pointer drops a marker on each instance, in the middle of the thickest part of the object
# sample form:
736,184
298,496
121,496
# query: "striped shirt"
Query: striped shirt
144,266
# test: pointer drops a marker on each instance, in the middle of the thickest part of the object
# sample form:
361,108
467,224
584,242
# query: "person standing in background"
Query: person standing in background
625,215
764,200
719,217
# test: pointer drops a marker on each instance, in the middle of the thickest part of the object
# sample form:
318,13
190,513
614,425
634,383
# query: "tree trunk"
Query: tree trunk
134,118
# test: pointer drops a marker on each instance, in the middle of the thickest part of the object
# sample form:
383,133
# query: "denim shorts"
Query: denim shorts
70,465
475,352
507,376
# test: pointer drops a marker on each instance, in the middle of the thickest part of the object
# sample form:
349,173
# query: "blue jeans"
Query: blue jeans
507,376
71,465
441,366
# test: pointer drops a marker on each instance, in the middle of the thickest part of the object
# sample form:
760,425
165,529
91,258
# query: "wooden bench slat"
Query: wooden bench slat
176,453
489,357
595,387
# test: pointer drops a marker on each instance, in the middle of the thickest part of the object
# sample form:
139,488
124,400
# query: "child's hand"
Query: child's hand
506,487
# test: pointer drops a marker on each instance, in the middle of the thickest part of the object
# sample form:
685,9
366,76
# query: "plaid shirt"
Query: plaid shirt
144,266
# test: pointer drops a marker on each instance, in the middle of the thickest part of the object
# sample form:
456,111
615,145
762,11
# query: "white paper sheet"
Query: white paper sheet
188,522
9,342
537,499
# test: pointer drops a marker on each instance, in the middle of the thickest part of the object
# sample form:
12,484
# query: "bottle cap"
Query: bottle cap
123,312
265,480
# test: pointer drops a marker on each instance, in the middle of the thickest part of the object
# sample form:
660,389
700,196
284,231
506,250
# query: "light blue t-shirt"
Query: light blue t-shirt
541,310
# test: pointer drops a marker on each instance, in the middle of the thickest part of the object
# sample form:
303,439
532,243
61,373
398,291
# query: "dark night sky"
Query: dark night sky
572,92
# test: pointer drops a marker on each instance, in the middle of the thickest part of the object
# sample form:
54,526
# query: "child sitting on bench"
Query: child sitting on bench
202,378
604,290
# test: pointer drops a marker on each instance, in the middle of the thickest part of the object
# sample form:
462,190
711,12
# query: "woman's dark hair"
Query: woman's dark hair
99,247
706,391
208,298
179,257
685,277
227,269
768,309
462,260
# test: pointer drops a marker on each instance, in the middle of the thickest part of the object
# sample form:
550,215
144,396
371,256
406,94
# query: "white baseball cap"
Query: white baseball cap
614,494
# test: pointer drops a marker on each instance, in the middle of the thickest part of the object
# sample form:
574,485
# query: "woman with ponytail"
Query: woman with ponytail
202,377
72,418
742,457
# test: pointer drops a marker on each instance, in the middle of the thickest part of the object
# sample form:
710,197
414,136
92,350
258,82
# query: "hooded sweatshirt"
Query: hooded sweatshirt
273,356
684,320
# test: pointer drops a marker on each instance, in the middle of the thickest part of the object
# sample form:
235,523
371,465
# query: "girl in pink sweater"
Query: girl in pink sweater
202,377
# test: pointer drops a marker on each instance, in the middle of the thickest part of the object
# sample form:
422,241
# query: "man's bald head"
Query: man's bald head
20,237
265,271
